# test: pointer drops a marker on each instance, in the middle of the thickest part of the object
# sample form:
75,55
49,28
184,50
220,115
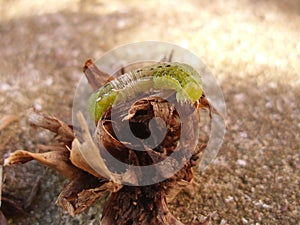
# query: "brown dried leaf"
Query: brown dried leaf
83,191
94,75
78,160
54,147
90,151
51,123
57,160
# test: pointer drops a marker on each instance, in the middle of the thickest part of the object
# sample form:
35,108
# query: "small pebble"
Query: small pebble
4,87
244,220
241,162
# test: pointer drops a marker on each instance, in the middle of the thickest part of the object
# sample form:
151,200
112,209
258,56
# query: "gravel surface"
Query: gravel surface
251,47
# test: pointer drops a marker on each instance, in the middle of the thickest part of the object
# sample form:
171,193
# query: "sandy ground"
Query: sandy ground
251,47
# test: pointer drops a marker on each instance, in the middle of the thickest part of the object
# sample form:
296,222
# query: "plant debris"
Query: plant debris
126,204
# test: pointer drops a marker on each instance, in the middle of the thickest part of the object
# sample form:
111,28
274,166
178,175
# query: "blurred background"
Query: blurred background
253,49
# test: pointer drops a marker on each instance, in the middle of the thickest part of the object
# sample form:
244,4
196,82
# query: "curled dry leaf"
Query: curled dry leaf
91,178
84,187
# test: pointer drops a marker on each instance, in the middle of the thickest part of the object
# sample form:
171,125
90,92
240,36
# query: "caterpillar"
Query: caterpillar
179,77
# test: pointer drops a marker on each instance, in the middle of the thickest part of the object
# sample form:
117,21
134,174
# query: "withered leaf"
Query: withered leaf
83,191
57,160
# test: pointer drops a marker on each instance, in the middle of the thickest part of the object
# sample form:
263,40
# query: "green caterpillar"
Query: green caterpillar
171,76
